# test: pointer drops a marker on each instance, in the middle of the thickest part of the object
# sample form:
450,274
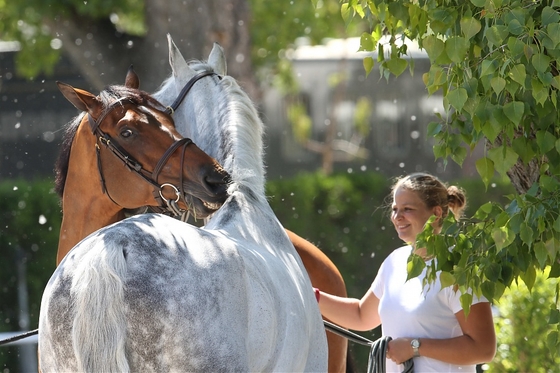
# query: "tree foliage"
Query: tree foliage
523,320
496,63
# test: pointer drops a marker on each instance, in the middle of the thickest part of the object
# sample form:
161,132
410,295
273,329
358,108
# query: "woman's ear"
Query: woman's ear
438,212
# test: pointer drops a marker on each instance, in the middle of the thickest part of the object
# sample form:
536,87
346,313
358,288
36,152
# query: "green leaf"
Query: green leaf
504,158
485,168
498,84
518,74
415,266
459,155
457,98
487,67
397,66
514,111
366,42
470,27
539,91
497,34
545,140
493,271
552,342
466,301
488,289
553,31
515,27
433,46
434,128
446,279
540,253
552,247
368,64
554,316
526,233
346,12
522,146
456,48
556,224
503,237
491,129
549,16
549,183
540,62
529,277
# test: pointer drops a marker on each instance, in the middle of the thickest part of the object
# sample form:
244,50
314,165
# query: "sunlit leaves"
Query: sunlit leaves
496,64
456,48
396,65
368,64
415,266
485,168
470,26
433,46
457,98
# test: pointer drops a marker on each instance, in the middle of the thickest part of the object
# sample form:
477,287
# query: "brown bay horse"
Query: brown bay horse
123,153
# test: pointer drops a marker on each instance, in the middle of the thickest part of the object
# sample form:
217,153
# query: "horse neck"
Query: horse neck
84,205
222,120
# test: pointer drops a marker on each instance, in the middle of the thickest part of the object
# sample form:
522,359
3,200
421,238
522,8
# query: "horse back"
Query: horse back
159,294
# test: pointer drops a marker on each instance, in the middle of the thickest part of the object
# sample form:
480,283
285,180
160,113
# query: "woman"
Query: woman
425,323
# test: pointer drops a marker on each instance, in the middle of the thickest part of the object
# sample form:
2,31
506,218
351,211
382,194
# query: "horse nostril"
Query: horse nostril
217,180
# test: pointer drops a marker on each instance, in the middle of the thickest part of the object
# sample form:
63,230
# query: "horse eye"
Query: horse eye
126,133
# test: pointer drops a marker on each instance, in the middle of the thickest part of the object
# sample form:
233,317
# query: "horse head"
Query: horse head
124,126
211,108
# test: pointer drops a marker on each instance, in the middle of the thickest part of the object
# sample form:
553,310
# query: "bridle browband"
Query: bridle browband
135,166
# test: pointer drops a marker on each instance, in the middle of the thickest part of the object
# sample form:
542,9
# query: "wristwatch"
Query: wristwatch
415,343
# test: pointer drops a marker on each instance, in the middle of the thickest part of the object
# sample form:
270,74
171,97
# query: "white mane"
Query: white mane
237,137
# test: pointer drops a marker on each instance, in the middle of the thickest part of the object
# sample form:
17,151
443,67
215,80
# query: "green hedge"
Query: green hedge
30,219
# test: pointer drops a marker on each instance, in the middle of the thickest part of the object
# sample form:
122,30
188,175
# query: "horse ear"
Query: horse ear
131,80
217,59
176,59
82,100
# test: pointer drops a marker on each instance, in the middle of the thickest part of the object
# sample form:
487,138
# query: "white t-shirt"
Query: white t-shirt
409,311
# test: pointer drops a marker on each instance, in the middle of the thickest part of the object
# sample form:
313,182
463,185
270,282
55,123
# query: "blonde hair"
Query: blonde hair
434,193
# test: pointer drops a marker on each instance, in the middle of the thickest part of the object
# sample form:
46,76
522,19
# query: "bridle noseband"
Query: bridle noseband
135,166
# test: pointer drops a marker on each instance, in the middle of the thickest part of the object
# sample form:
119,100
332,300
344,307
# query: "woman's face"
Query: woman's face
409,214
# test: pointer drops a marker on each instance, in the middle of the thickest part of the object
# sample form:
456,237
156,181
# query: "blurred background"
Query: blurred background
335,136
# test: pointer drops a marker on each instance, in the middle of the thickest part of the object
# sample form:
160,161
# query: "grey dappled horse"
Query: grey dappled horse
151,293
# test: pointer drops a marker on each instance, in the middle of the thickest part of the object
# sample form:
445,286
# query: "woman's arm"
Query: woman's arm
351,313
476,345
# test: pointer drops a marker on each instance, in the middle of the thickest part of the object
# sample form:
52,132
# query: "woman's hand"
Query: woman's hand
399,350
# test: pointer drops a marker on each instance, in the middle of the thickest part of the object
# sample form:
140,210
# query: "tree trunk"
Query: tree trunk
104,55
522,175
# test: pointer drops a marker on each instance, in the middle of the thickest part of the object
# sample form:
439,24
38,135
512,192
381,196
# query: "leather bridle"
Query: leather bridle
171,108
135,166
